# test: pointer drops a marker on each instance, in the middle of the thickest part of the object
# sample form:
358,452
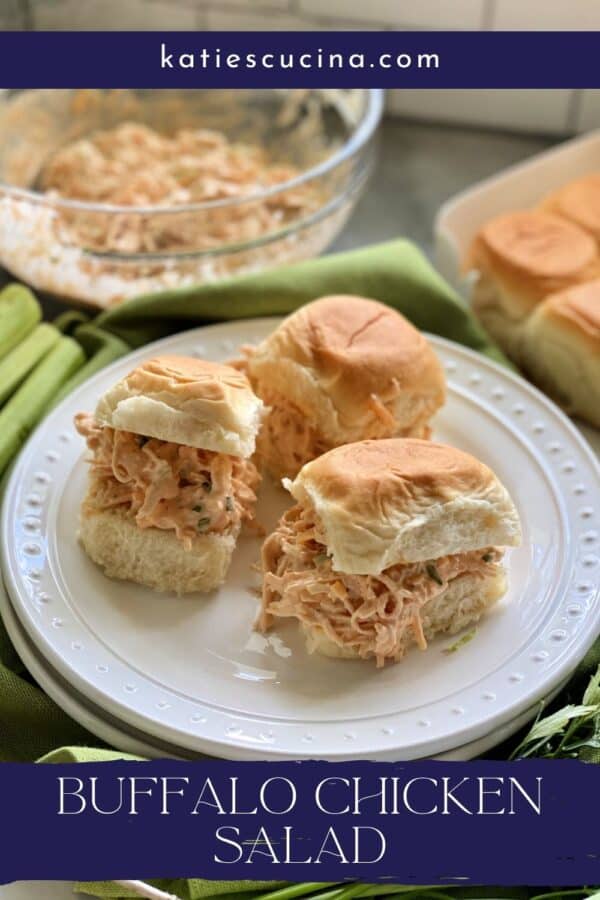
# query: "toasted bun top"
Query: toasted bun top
334,355
577,312
535,252
403,500
579,201
188,401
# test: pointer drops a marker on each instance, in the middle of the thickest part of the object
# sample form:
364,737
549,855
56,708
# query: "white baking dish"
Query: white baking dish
518,187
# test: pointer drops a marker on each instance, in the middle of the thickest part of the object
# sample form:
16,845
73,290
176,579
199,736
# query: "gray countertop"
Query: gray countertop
419,167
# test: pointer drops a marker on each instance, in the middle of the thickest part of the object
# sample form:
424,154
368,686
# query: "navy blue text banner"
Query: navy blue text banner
443,59
529,822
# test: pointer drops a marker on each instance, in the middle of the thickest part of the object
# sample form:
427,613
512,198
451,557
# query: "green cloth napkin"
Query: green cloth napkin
395,273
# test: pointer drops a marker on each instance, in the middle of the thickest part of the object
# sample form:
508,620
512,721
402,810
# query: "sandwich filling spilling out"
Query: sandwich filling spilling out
289,438
165,485
372,615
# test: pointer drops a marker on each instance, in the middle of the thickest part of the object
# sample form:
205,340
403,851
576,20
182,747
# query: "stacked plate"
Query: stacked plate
183,676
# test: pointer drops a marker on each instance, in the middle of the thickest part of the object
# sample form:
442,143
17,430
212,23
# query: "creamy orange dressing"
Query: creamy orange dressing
371,614
166,485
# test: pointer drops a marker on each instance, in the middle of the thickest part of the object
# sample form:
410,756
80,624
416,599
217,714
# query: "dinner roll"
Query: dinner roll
520,258
342,369
579,202
561,349
186,401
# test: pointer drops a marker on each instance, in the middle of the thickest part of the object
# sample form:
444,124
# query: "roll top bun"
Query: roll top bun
335,356
532,253
385,502
579,202
187,401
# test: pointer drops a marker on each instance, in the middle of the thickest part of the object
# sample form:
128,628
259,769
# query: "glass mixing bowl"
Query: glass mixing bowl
97,253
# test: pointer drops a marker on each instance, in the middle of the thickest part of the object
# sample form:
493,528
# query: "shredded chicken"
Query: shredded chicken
288,439
132,165
371,614
166,485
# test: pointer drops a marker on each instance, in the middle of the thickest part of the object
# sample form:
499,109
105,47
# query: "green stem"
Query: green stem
296,890
554,895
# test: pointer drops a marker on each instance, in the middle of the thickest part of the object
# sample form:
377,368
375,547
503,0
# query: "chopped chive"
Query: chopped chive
198,508
487,557
464,639
202,523
433,573
229,504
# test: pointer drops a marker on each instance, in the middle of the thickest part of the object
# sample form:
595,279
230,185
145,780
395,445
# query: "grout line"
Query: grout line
27,21
489,15
574,110
201,18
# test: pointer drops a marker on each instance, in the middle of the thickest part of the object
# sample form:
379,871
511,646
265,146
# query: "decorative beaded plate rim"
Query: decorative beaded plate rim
128,740
164,665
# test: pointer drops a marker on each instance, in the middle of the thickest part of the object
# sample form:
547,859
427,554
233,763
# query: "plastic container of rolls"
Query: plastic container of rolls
524,247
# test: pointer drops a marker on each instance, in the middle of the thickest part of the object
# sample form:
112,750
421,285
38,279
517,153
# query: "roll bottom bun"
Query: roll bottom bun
152,557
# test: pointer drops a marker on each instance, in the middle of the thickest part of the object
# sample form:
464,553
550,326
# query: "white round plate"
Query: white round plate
116,734
84,712
191,672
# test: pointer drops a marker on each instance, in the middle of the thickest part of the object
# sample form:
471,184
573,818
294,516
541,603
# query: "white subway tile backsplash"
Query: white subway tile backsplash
12,15
523,110
113,15
588,111
546,15
402,13
261,6
556,112
220,18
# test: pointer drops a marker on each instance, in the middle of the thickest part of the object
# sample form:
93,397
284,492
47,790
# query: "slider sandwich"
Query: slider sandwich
170,480
390,543
341,369
520,258
561,349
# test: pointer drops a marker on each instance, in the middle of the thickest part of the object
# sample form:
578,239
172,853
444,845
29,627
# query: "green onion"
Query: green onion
198,508
203,523
229,504
487,557
461,641
433,573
